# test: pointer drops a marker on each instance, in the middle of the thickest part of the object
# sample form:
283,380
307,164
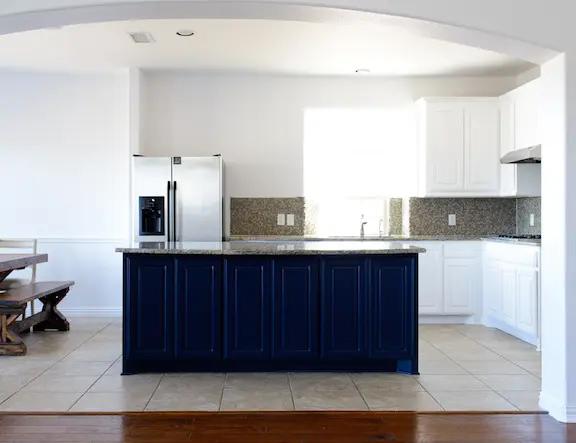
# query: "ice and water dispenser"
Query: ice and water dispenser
151,215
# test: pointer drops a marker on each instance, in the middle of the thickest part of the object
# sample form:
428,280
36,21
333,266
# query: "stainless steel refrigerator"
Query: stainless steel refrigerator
177,199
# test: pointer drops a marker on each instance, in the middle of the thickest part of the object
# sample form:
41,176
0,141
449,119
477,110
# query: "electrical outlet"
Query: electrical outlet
281,219
531,219
290,219
451,219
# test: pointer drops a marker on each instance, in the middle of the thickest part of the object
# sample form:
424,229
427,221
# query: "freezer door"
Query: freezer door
150,178
198,198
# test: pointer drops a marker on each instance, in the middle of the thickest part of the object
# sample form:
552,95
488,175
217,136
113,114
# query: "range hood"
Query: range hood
533,154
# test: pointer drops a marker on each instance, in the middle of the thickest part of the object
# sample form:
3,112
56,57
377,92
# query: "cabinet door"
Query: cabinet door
247,309
149,307
527,300
444,147
430,280
507,144
461,284
343,301
295,310
392,307
198,308
482,148
492,289
509,294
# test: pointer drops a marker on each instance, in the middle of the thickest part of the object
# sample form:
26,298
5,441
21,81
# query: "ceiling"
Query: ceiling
251,46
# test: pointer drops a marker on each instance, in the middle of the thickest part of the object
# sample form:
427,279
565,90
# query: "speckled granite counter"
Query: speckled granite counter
294,247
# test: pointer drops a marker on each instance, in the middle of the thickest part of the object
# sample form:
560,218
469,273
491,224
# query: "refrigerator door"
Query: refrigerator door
150,180
197,185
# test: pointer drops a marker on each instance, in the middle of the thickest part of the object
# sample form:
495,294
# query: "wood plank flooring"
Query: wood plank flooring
277,427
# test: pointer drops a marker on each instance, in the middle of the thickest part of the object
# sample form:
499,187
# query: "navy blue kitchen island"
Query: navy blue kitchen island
258,306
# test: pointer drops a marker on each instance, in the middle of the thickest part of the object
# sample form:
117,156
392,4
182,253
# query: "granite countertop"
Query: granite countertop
273,248
390,238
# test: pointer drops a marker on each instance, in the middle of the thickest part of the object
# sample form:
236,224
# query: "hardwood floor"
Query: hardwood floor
279,427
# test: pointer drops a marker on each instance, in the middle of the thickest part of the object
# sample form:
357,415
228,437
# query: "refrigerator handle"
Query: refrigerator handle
174,234
168,202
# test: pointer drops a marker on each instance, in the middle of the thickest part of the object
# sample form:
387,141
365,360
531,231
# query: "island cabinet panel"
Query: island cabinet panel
295,309
392,308
198,308
343,316
149,307
248,290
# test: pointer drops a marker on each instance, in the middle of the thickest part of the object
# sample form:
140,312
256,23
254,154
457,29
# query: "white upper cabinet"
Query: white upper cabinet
519,129
458,147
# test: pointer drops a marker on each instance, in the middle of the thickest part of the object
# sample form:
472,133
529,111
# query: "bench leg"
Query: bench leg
10,341
55,319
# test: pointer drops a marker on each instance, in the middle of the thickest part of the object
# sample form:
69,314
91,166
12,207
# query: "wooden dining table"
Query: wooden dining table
12,262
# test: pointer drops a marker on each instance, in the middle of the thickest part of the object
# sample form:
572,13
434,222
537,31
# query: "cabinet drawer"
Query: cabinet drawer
462,249
523,255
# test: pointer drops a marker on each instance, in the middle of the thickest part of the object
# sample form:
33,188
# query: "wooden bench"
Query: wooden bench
12,305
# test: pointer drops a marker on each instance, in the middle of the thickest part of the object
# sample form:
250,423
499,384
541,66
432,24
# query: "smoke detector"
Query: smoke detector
141,37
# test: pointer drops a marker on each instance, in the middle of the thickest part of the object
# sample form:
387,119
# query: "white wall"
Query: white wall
257,122
64,156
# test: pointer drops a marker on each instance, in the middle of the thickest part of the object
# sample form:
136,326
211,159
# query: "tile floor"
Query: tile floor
462,368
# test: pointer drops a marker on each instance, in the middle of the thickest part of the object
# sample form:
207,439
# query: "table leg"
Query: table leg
10,341
55,319
4,274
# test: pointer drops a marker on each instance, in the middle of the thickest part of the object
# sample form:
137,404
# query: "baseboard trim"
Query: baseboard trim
492,322
446,319
557,410
92,312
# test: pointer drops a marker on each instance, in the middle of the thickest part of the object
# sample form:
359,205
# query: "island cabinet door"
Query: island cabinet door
343,309
149,307
199,308
247,310
295,308
392,307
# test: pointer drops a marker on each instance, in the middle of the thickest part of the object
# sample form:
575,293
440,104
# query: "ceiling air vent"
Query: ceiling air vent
141,37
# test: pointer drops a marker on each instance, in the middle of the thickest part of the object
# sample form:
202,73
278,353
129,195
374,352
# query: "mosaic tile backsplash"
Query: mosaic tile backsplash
258,216
474,216
525,207
395,216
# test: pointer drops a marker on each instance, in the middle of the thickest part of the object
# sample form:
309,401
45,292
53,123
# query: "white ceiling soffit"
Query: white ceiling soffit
250,46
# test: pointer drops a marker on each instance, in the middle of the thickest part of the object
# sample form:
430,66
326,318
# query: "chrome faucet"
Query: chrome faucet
362,224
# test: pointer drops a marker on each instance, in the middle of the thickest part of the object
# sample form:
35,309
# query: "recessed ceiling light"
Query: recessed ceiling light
185,33
363,71
141,37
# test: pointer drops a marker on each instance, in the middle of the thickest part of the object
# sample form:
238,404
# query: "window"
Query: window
354,160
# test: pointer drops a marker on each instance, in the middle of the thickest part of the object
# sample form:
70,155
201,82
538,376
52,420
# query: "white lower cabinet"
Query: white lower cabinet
461,285
510,289
449,278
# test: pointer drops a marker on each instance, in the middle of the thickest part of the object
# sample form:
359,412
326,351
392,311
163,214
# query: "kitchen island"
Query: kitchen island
270,306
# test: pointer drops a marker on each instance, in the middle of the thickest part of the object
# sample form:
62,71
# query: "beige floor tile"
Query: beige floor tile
452,383
115,369
185,400
532,366
197,382
523,400
369,381
316,400
110,402
13,383
516,355
271,399
73,368
527,382
40,402
492,367
94,355
440,367
257,380
324,381
62,384
22,366
135,384
5,394
472,401
484,355
400,401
